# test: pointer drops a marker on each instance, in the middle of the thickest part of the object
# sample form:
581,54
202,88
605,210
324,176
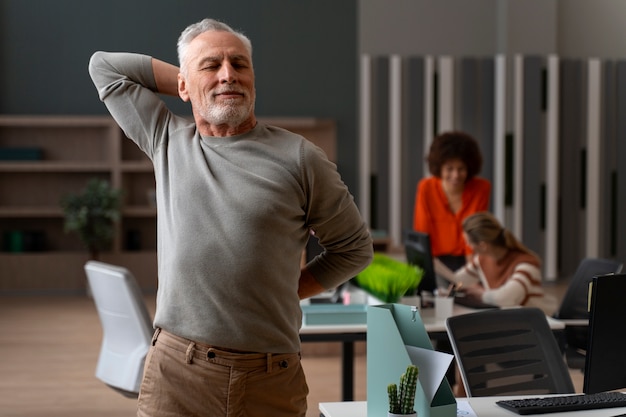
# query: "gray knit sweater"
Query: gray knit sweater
234,215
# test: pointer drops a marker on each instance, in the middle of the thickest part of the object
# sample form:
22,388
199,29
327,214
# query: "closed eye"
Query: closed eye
238,62
209,64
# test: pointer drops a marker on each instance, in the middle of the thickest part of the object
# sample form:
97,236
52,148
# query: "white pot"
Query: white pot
389,414
373,301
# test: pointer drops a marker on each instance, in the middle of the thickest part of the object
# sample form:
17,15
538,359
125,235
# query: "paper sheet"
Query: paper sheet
464,409
432,366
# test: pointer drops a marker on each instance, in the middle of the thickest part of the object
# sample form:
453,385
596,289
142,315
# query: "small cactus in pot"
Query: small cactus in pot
402,399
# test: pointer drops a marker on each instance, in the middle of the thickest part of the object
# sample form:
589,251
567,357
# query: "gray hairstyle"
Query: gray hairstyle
200,27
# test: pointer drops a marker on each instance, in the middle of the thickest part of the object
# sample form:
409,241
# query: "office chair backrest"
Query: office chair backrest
126,326
508,352
575,306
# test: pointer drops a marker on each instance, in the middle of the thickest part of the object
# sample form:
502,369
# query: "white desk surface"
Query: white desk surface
431,323
482,406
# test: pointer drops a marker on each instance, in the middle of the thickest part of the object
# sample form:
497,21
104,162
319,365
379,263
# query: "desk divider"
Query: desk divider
390,327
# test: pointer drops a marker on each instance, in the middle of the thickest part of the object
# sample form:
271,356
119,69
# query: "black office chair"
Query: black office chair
574,307
508,352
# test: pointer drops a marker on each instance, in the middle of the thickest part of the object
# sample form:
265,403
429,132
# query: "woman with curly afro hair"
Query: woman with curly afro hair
449,195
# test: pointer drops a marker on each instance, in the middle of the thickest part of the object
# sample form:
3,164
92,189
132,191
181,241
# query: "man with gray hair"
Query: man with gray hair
237,201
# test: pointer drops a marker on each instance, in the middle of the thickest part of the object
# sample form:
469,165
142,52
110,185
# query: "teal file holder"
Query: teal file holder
390,327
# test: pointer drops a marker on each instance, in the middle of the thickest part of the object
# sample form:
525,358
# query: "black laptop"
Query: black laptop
418,252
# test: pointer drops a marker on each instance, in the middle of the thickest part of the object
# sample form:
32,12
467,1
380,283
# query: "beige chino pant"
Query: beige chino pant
183,378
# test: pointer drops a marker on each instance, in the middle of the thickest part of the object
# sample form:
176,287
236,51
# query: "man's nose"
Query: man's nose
227,73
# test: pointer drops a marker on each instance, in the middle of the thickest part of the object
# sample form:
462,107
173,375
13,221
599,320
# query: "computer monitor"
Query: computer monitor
605,364
417,249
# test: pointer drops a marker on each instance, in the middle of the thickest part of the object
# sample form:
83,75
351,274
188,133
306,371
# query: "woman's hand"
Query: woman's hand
475,292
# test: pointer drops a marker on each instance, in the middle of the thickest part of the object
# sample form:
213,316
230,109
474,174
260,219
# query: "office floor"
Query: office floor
49,347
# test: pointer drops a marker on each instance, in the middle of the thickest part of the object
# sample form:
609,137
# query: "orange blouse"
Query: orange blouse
432,214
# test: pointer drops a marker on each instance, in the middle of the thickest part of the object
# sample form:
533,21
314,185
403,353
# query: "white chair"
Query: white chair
126,326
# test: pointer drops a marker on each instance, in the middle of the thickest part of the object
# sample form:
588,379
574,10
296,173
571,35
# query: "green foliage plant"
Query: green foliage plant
402,400
92,214
388,279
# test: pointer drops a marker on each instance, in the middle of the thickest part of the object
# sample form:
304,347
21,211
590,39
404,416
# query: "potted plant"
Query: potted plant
402,399
388,279
92,214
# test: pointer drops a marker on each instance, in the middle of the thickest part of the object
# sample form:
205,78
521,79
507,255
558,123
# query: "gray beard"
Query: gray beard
230,115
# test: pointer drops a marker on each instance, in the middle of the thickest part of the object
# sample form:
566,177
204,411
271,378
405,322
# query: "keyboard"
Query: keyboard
560,403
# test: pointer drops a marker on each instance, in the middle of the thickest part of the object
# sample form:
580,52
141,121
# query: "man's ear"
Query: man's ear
182,88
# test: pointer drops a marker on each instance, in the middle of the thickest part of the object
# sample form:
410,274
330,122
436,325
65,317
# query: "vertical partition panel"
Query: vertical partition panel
552,170
469,97
486,103
533,153
476,109
621,155
413,144
608,212
571,234
395,149
430,125
499,135
594,184
445,94
365,138
380,144
518,144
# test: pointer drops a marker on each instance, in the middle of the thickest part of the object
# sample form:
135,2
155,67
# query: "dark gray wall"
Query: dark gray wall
305,54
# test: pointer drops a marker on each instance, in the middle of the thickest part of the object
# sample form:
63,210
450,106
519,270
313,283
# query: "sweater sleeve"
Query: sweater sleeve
126,84
335,219
469,274
517,288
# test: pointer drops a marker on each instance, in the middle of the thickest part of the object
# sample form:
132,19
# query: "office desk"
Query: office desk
482,406
347,334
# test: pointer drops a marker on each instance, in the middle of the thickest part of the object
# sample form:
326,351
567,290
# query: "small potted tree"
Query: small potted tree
92,214
402,398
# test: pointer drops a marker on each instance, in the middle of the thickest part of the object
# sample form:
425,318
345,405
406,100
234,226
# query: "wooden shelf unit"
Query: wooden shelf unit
75,149
35,253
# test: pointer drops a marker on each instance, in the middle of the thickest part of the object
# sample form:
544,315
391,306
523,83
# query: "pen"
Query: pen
450,292
454,289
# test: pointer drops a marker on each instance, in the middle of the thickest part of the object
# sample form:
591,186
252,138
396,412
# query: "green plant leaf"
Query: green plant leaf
388,279
92,213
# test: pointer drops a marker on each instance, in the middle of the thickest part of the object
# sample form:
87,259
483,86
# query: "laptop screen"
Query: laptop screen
417,249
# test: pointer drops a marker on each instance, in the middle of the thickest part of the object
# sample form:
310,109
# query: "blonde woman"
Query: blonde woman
502,271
